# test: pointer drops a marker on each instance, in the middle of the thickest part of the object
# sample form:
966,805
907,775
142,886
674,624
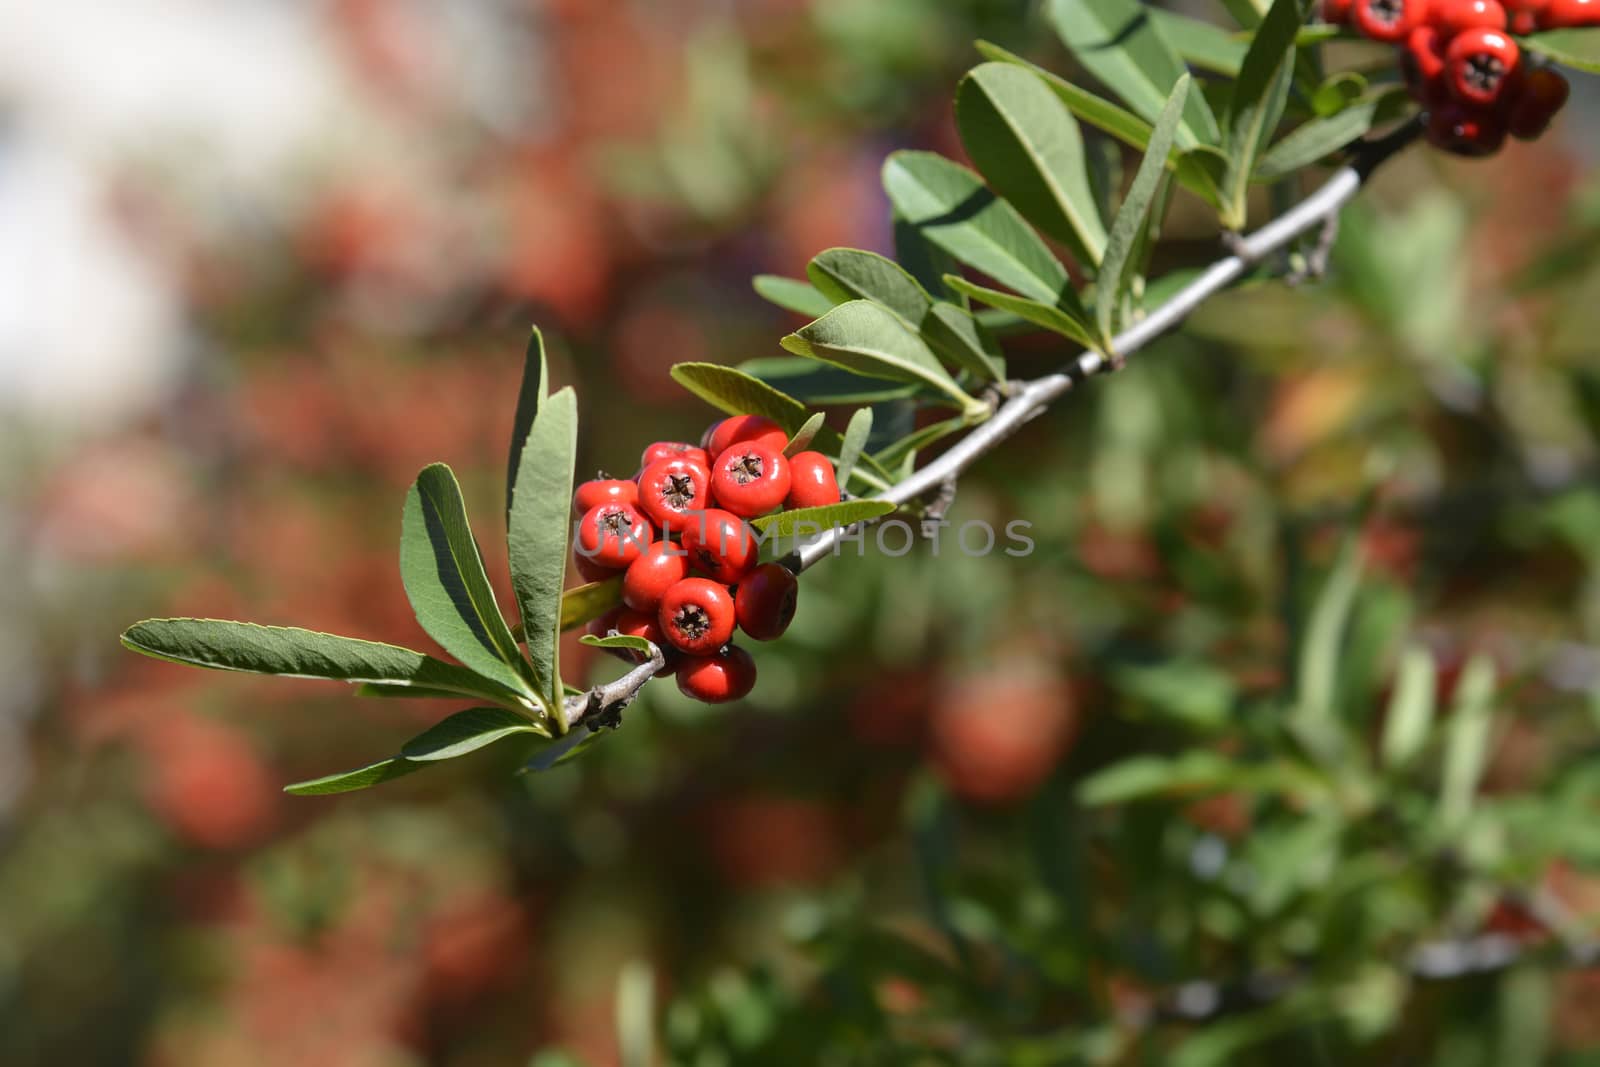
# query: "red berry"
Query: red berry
613,535
648,578
720,545
1524,14
1389,20
604,491
1569,14
1543,95
673,450
1336,12
591,570
600,627
1465,131
671,489
646,625
1458,16
750,479
697,616
765,601
811,481
1422,63
1478,65
742,429
717,679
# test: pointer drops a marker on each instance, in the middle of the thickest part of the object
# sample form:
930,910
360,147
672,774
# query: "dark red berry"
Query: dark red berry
1422,63
742,429
1543,95
1479,64
697,616
1569,14
671,490
647,579
811,481
613,535
673,450
1458,16
1336,12
720,545
765,601
645,624
1388,20
1465,130
750,479
591,570
719,678
604,491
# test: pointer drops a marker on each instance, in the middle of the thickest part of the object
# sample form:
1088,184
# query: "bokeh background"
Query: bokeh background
262,261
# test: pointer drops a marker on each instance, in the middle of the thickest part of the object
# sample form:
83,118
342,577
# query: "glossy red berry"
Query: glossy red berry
645,624
671,490
741,429
811,481
1479,64
719,678
1458,16
647,579
604,491
1422,64
1543,95
1569,14
591,570
1336,12
1388,20
697,616
750,479
1465,131
613,535
720,545
672,450
1522,16
765,601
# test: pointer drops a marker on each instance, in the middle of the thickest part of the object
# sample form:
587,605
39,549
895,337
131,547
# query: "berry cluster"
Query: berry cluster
1462,64
690,566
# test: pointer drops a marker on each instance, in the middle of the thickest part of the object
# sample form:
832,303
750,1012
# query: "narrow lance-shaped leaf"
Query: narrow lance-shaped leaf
535,387
1467,740
921,438
446,584
1135,207
1314,715
1121,45
1075,327
791,294
1203,44
1575,48
627,641
1410,712
291,652
538,539
867,338
817,519
961,339
385,770
820,384
1258,100
735,392
585,602
845,274
1317,139
1026,143
855,440
467,731
800,440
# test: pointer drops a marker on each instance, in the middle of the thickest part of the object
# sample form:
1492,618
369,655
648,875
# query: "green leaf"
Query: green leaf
1026,143
1314,718
845,274
540,518
563,750
446,584
869,339
820,384
627,641
1185,690
962,340
585,602
1258,100
815,520
737,393
1145,776
1202,44
855,440
1073,327
1118,42
384,691
801,439
1191,169
372,774
291,652
948,203
920,439
1467,738
1317,139
1410,712
1131,216
791,294
1578,49
1338,92
636,1015
535,387
467,731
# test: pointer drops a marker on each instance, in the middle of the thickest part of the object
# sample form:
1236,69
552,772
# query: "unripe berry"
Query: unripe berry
1389,20
1479,64
719,678
673,450
671,490
811,481
613,535
604,491
647,579
750,479
741,429
697,616
720,545
765,601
